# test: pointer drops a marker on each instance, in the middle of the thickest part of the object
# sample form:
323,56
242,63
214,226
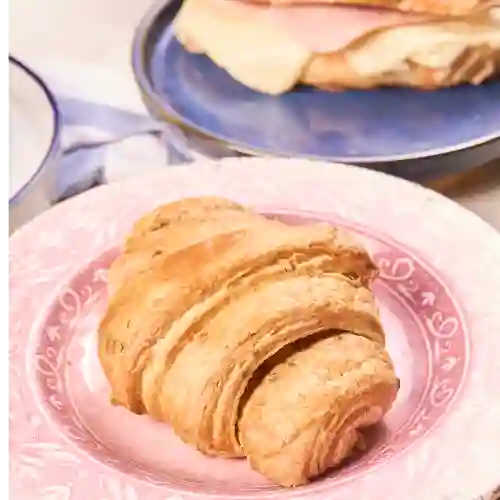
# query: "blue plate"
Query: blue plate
374,127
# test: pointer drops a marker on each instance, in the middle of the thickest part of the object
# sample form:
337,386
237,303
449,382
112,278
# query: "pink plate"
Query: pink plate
439,295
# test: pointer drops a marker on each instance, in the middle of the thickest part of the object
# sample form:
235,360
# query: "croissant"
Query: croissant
250,337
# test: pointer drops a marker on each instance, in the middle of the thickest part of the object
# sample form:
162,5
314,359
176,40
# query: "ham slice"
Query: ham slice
324,28
271,49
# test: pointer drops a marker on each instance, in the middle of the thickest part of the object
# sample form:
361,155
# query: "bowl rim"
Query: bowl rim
56,131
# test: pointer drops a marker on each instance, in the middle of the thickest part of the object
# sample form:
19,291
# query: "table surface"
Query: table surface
99,32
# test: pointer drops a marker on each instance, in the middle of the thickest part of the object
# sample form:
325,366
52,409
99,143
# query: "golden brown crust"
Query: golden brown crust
342,383
180,225
166,231
334,71
234,343
201,270
436,7
179,211
186,334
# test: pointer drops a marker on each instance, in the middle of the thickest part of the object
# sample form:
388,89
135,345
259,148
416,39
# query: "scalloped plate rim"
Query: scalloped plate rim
296,175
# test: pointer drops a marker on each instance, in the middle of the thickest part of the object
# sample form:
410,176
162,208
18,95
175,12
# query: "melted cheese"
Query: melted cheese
267,48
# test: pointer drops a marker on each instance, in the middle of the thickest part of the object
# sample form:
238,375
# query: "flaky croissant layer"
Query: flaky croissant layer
248,336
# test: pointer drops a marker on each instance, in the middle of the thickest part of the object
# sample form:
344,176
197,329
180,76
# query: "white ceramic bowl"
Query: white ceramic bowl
34,144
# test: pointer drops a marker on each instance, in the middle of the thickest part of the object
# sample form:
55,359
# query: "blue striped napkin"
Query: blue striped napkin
106,133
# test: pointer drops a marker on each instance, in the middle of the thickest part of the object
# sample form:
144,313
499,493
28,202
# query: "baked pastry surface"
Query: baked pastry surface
250,337
437,7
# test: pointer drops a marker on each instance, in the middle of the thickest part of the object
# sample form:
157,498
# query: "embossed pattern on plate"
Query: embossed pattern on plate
438,305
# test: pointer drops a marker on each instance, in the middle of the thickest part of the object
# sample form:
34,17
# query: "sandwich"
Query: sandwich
272,47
